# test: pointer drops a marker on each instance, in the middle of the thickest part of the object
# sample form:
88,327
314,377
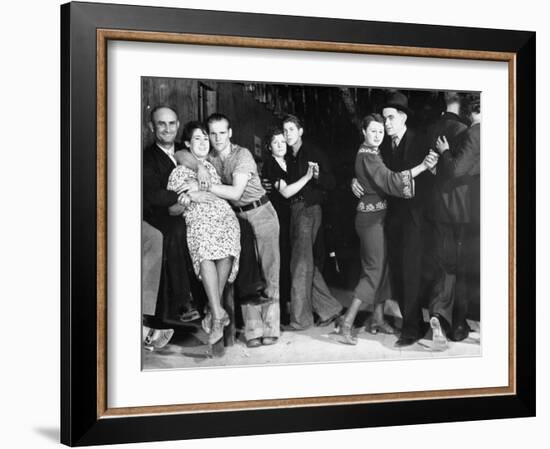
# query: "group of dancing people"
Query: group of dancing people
209,216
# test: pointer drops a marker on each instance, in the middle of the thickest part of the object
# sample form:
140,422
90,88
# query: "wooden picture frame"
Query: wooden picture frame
86,30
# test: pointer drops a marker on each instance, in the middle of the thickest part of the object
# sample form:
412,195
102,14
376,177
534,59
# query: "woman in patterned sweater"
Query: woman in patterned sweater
377,182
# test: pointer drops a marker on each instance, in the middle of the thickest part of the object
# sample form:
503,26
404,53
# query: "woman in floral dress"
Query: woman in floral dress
213,233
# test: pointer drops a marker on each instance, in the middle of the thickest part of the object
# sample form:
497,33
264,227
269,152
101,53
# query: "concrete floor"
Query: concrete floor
188,347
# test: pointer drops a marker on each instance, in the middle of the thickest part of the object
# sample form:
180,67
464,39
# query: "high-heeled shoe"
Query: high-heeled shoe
216,332
344,331
206,322
374,327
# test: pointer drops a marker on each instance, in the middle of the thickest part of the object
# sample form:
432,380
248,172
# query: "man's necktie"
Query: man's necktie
394,143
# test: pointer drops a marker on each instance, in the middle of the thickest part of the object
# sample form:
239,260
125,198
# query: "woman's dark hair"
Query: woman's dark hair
374,117
190,128
271,133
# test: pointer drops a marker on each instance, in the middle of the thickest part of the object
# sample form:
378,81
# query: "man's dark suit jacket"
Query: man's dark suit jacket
157,167
461,166
451,126
411,151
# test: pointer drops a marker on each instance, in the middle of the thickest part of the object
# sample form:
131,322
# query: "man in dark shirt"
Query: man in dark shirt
309,292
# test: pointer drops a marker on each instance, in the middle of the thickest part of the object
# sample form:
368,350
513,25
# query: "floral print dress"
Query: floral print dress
213,231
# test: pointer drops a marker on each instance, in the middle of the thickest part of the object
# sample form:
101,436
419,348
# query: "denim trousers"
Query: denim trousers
264,320
309,292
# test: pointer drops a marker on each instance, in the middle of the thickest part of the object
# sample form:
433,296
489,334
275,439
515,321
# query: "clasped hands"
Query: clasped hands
430,160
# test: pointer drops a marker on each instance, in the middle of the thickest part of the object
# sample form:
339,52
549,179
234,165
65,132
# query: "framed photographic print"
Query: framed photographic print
278,224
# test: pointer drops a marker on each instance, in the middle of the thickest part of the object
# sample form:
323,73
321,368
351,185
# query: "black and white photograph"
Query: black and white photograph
303,223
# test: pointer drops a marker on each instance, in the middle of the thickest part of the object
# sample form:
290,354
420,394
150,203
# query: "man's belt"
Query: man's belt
253,205
296,199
